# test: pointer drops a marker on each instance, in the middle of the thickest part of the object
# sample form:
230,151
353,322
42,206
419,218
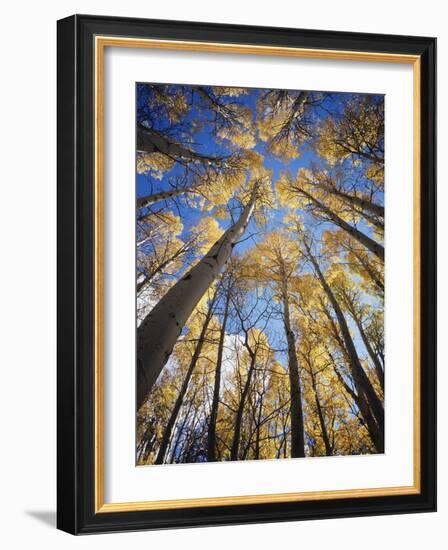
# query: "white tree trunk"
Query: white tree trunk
364,204
143,202
361,237
161,328
150,141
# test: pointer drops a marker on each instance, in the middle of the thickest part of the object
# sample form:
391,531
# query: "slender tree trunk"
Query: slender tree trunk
376,434
183,390
370,218
364,204
323,427
296,409
188,450
179,432
361,237
151,141
143,202
361,380
159,331
296,111
145,281
150,276
369,270
368,420
239,414
146,442
171,457
211,436
376,362
258,431
221,110
378,160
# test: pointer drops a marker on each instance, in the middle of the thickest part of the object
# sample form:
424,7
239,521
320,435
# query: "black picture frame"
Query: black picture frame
76,265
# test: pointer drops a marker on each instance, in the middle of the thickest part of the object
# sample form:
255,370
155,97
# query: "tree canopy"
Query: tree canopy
260,273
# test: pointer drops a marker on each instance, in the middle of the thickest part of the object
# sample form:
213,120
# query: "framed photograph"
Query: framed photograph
246,274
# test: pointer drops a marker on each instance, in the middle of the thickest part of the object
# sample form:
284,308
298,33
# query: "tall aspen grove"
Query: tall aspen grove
259,274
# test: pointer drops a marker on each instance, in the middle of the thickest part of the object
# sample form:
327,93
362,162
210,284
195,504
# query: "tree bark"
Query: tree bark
296,409
365,265
179,431
361,237
180,398
211,436
376,434
239,414
159,331
378,160
258,430
295,113
151,141
364,204
376,362
323,427
148,277
143,202
222,111
359,376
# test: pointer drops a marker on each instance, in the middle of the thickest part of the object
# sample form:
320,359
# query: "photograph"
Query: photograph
259,274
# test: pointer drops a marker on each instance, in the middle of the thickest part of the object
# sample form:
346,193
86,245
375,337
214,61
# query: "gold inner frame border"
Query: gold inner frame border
101,42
